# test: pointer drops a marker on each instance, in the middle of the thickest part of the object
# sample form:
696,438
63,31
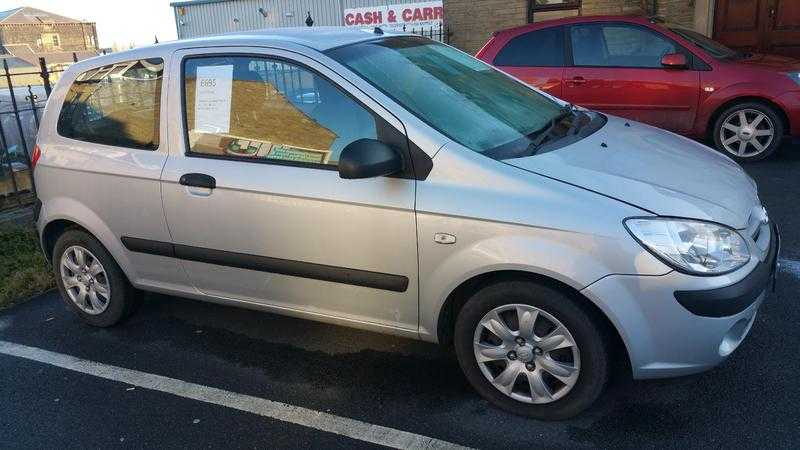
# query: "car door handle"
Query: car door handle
200,180
577,80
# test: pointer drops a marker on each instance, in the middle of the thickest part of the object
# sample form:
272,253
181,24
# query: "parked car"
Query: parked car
662,75
418,192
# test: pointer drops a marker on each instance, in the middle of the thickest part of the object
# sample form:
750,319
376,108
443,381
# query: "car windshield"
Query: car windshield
711,46
465,99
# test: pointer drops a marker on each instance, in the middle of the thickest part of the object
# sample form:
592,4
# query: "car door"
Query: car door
535,57
616,68
254,202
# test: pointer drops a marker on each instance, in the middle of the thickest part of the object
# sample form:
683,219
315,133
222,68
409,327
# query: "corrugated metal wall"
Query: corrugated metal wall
208,18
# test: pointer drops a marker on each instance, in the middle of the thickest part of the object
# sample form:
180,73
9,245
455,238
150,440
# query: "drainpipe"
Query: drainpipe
654,8
529,12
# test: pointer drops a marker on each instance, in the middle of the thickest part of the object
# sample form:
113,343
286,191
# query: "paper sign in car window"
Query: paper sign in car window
212,107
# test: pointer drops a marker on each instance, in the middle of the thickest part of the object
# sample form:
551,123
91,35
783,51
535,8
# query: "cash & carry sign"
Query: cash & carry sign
422,15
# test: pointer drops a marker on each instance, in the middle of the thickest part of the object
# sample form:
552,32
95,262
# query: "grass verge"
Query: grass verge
23,270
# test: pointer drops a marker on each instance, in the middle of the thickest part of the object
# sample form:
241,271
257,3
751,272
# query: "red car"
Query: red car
658,74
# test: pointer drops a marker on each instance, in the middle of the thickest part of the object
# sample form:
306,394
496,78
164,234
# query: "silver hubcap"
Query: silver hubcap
85,280
747,132
526,353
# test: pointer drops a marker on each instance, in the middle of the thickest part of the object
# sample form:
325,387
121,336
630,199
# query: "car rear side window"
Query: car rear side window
118,104
543,48
270,110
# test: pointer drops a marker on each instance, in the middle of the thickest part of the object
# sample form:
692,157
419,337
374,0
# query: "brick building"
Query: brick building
762,26
29,33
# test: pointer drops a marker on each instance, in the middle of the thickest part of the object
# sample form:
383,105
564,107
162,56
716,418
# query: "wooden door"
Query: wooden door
763,26
737,24
782,35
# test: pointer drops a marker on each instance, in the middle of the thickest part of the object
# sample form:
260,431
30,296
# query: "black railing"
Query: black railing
439,33
20,108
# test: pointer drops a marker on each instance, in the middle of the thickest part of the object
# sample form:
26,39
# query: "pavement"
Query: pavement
189,374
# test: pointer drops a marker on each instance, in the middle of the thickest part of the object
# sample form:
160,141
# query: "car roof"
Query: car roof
313,38
317,38
573,20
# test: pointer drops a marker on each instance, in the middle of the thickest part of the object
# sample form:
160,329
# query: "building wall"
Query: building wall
680,12
72,36
204,19
595,7
473,22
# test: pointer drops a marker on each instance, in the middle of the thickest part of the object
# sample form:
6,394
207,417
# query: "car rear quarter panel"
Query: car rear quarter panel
109,191
505,218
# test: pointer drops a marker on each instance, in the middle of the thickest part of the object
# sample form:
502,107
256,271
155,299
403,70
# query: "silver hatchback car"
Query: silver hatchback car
392,183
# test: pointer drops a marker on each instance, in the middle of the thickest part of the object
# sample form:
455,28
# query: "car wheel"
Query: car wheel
90,281
531,350
748,131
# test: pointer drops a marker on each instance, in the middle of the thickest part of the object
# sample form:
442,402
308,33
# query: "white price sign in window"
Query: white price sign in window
212,104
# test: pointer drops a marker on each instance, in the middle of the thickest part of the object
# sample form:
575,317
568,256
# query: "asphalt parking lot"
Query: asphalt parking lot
752,400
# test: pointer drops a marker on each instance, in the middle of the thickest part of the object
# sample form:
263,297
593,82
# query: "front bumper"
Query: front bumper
678,324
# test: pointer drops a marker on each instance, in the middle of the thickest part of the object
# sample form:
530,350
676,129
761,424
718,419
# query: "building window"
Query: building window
554,5
51,41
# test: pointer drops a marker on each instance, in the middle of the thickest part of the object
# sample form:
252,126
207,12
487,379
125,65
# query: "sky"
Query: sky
118,22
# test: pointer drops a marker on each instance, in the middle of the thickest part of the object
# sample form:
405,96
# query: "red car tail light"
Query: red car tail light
37,153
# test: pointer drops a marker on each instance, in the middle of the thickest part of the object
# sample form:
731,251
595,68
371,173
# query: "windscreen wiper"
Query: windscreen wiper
543,133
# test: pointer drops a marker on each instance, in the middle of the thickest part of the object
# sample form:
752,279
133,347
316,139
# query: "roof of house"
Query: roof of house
23,56
28,15
194,2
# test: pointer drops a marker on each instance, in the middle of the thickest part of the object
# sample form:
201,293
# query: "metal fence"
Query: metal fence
23,95
440,33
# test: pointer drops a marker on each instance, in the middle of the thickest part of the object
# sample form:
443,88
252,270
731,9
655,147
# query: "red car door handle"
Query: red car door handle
577,80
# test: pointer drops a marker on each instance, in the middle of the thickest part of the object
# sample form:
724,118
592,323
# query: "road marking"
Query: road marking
791,266
330,423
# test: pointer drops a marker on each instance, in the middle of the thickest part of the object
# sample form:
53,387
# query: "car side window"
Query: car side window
618,45
268,109
118,104
543,48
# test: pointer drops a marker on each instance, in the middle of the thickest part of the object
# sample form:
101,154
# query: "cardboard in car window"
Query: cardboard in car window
296,154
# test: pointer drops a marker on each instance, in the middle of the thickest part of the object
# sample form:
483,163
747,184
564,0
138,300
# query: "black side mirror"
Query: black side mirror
368,158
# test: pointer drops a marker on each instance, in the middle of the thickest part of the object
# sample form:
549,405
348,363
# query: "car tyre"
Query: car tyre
519,298
90,281
748,131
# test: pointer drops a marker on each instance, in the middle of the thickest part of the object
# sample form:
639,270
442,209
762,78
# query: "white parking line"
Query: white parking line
791,267
330,423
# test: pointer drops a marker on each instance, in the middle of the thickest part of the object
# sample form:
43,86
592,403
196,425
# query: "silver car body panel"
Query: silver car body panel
557,215
293,213
653,169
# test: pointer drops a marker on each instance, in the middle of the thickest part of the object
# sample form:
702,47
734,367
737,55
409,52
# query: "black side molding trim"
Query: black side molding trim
733,299
356,277
147,246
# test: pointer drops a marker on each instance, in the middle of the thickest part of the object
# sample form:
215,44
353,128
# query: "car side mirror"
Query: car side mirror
674,61
368,158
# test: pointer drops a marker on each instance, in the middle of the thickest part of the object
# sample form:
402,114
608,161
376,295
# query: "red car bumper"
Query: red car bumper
790,103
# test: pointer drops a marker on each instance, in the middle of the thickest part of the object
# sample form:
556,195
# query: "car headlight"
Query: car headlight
795,76
692,246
